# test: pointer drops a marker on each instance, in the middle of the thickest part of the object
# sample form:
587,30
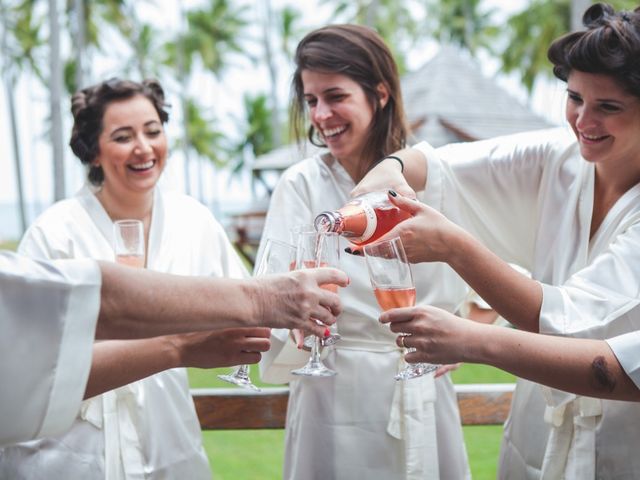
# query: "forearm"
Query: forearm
119,362
513,295
137,304
581,366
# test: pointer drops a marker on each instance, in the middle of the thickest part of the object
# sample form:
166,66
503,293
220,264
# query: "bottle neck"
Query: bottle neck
330,222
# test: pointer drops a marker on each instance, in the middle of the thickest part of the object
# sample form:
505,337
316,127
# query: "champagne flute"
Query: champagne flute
392,282
128,243
333,336
317,249
277,258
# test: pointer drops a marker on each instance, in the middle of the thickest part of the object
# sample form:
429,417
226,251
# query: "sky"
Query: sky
226,98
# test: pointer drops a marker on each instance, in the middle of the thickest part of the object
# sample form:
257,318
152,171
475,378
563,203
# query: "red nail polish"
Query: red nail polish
327,332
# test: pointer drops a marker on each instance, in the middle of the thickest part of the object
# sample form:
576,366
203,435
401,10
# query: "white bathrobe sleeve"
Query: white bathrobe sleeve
490,188
626,348
48,314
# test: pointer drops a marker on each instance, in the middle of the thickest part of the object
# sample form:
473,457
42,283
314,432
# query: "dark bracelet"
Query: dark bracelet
395,158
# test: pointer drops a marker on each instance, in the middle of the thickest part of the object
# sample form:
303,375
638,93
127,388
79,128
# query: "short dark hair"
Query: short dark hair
88,106
610,45
361,54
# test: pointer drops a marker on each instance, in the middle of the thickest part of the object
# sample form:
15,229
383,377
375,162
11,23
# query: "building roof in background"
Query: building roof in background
448,99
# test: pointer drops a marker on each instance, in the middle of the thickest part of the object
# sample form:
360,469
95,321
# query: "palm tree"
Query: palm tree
462,23
393,20
13,59
529,34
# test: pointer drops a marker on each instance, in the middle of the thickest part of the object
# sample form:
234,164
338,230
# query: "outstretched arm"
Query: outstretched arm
581,366
139,303
430,237
119,362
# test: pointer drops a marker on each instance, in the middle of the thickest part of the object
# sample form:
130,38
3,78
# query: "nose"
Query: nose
585,117
142,145
322,111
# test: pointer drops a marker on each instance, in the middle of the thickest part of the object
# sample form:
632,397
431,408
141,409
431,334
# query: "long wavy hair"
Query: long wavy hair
359,53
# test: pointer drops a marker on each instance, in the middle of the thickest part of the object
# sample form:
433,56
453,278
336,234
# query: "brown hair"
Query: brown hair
610,45
359,53
88,106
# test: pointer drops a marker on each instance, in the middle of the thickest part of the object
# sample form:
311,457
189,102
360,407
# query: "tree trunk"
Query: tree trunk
80,41
578,8
55,94
182,78
273,74
16,154
13,122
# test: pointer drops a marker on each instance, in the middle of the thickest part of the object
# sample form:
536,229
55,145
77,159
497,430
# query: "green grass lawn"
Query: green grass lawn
9,245
257,454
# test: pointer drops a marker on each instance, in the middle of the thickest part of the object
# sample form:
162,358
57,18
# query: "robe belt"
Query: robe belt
571,448
114,412
412,413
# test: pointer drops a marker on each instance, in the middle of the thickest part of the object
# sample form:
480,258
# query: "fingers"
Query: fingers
298,337
408,204
326,275
444,369
399,315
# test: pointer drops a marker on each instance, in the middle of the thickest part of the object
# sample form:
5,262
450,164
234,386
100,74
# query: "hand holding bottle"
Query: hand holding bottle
427,236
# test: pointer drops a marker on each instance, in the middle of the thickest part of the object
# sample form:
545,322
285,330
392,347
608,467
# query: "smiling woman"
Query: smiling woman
140,421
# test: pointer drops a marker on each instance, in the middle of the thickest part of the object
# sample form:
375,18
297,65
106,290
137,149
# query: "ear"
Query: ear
383,95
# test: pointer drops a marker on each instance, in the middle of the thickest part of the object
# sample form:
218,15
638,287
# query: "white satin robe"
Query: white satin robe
361,423
529,198
147,429
48,313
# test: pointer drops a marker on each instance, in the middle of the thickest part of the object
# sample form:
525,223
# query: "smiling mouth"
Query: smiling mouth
141,167
593,138
333,132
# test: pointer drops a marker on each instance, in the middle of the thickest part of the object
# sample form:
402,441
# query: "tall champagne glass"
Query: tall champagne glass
277,257
128,242
392,282
333,336
316,249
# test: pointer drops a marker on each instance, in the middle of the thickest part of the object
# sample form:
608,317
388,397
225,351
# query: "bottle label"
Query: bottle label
372,223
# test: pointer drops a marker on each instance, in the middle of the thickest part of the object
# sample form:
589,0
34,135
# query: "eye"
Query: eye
122,138
311,102
610,108
154,133
337,98
574,97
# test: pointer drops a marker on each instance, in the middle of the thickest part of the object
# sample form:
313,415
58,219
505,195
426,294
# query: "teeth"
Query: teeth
142,166
330,132
592,137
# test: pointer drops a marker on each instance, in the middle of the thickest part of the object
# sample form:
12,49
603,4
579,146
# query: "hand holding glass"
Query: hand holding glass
276,258
317,250
392,282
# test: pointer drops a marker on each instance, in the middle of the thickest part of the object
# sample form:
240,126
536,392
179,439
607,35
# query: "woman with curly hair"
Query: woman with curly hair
139,421
565,205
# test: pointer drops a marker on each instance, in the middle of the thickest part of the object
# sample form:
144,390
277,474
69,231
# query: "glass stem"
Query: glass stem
243,372
315,350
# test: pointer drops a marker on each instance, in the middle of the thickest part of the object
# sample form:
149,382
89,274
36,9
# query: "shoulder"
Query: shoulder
54,229
304,170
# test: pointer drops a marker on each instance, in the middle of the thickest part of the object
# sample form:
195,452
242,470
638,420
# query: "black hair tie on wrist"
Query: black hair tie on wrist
398,160
374,164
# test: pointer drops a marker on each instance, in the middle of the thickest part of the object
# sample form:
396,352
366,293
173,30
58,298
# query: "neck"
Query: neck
130,205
